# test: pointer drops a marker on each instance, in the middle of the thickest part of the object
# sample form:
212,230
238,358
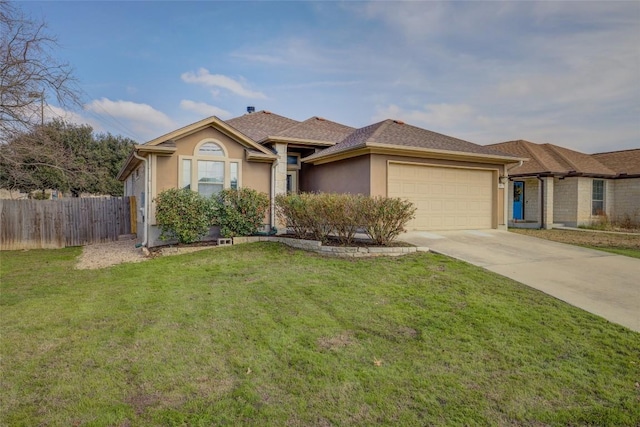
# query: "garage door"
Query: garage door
446,198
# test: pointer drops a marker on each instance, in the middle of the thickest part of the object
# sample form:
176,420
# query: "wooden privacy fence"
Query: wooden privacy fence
47,224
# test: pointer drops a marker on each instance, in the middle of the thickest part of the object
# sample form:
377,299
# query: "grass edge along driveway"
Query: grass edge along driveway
617,243
262,334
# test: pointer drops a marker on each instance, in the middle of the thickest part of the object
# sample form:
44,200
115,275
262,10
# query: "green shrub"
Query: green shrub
317,216
40,195
346,215
320,211
385,218
183,214
239,212
293,210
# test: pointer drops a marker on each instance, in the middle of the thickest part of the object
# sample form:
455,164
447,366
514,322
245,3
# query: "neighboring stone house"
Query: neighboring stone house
454,184
561,186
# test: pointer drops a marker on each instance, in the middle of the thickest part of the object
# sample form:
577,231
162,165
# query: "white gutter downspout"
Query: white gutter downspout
273,195
147,200
513,167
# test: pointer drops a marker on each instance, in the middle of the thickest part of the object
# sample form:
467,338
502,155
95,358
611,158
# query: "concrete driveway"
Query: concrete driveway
602,283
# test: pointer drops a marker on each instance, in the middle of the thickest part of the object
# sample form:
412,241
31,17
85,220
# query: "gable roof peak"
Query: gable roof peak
397,134
552,159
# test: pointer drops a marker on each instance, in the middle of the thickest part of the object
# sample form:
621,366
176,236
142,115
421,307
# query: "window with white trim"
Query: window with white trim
597,197
209,170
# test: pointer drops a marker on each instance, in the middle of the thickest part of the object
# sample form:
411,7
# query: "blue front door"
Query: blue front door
518,200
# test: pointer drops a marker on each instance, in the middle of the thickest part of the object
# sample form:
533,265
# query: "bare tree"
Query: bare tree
29,72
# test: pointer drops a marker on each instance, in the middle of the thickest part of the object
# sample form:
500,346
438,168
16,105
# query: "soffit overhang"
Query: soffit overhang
395,150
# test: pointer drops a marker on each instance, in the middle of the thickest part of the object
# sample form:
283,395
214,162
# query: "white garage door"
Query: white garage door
446,198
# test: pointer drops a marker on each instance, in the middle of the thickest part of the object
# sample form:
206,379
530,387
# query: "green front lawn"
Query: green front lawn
261,334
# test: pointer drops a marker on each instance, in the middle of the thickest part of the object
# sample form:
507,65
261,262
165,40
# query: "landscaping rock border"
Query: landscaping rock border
341,251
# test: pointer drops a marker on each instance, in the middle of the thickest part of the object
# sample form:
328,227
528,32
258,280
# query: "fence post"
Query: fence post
133,215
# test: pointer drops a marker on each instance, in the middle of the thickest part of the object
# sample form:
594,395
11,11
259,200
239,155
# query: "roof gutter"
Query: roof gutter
520,163
273,195
404,150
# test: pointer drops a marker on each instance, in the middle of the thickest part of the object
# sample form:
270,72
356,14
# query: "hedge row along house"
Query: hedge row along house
454,184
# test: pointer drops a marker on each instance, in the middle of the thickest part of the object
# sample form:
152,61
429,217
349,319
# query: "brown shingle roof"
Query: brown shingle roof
316,129
622,162
549,158
261,124
393,132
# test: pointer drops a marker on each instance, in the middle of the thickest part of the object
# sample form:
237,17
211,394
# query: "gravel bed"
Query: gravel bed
103,255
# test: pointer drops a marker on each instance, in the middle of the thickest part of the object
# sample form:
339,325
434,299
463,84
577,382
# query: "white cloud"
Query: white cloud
52,112
305,53
257,57
204,109
140,121
432,116
564,73
129,110
205,78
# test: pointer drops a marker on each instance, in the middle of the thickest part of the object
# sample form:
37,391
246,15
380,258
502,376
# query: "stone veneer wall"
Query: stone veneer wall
565,201
342,251
626,199
531,199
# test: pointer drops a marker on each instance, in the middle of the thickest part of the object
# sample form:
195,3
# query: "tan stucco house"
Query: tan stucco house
454,184
565,187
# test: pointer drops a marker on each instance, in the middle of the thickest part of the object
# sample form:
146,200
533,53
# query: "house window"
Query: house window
597,197
210,177
293,161
233,172
209,170
210,149
186,174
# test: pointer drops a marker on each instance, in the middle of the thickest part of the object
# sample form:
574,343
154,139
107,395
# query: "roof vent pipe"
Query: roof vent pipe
251,109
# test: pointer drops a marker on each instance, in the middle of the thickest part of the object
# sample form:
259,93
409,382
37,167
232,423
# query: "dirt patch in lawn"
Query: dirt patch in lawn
103,255
586,238
336,342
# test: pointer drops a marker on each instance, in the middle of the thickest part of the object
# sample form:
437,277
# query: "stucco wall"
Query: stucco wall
345,176
167,174
257,176
165,169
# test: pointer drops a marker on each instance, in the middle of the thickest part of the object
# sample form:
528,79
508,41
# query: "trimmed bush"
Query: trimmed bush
293,210
183,215
316,216
239,212
385,218
346,214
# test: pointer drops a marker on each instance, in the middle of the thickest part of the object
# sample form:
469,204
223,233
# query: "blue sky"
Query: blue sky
566,73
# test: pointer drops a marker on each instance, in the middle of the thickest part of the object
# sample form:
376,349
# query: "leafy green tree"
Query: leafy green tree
63,156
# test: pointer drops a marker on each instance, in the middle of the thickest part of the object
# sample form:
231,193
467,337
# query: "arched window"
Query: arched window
209,170
210,149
